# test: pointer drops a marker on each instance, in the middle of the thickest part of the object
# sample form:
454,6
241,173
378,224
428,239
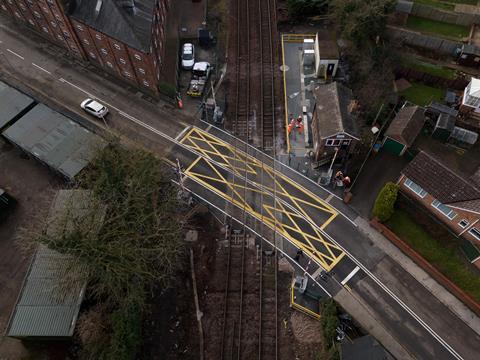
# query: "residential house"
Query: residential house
471,97
449,197
404,129
334,129
124,37
326,58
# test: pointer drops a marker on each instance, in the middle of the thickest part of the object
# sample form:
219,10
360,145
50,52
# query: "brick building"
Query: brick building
449,197
124,37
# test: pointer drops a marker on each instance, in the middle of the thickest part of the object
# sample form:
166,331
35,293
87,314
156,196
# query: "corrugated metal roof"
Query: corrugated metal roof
52,293
55,139
12,102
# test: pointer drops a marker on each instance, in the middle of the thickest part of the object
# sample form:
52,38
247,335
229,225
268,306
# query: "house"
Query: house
449,197
334,129
126,38
326,58
471,97
404,129
469,55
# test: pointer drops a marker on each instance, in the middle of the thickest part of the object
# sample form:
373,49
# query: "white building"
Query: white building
471,95
326,58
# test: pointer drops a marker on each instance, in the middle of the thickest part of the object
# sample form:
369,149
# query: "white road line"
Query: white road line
349,276
41,68
14,53
180,135
329,197
75,86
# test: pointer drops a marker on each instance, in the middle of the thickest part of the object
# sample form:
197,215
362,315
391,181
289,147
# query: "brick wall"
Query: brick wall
472,218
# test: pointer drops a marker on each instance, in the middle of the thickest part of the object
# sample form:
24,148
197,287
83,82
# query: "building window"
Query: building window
142,71
37,14
333,142
58,17
10,2
463,223
127,74
109,64
116,46
123,61
30,2
17,14
92,55
31,22
475,233
98,36
444,209
80,27
50,1
158,76
146,83
23,7
45,9
66,34
104,51
60,37
138,57
4,7
54,24
86,41
44,28
417,189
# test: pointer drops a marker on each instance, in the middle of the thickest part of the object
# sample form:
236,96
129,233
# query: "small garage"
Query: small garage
404,129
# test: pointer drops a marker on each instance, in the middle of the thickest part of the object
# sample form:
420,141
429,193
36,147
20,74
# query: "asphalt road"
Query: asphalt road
424,327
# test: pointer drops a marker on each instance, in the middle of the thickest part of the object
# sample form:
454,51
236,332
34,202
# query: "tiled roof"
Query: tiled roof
331,109
406,126
442,183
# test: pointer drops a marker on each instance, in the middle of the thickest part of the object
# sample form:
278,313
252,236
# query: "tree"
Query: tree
362,20
384,204
305,8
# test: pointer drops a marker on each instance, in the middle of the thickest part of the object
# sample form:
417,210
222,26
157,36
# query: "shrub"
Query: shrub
384,204
330,322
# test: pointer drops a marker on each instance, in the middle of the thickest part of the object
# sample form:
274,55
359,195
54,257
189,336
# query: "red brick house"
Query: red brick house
448,196
333,124
124,37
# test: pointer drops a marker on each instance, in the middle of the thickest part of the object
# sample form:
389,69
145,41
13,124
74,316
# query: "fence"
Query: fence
429,12
415,39
431,80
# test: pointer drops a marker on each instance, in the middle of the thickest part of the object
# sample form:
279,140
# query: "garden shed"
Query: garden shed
443,127
404,129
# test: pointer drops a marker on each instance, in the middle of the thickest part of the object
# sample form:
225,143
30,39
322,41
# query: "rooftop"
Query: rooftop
129,21
443,183
406,126
332,102
12,103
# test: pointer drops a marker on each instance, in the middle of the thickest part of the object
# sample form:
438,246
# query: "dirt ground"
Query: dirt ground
31,184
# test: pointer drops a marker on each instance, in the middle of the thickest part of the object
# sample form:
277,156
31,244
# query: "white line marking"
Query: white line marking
349,276
44,70
75,86
329,197
180,135
14,53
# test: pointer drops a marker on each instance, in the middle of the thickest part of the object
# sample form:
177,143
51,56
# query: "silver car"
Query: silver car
188,56
94,108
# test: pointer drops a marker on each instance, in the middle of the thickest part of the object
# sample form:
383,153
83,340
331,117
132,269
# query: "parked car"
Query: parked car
94,108
188,56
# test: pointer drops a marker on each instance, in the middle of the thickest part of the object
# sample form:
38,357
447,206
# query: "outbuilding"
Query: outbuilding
404,129
326,58
13,103
469,55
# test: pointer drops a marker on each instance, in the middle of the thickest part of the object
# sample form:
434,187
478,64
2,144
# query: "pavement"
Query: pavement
416,324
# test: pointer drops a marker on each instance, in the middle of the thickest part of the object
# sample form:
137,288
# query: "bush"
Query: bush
384,204
330,322
305,8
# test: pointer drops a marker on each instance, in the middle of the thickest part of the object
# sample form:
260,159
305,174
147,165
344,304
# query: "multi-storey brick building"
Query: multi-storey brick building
124,37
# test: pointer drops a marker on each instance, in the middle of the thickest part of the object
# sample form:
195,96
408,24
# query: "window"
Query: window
475,233
80,27
4,7
44,28
126,73
146,83
444,209
10,2
104,51
45,9
463,223
98,36
123,61
116,46
37,14
332,142
31,22
86,41
109,64
58,17
59,37
23,7
142,71
66,34
17,14
54,24
417,189
30,2
50,1
92,55
138,57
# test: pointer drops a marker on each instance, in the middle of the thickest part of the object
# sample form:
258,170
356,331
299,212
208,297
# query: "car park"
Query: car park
94,108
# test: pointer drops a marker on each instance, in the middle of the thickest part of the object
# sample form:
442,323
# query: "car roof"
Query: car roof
201,66
95,105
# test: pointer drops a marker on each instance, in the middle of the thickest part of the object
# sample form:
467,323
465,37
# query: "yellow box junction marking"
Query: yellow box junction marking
295,225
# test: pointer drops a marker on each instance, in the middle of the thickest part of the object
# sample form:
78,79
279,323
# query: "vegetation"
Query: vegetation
299,8
384,204
431,69
446,260
362,20
443,29
437,4
330,322
422,94
127,242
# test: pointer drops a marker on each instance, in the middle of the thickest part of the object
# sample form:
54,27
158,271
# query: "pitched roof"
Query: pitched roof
406,126
331,110
442,183
118,19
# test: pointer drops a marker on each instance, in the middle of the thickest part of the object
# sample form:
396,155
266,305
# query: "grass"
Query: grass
446,260
445,4
437,28
431,69
421,94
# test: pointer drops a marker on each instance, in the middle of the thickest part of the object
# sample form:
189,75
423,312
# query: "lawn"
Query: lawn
437,28
447,261
421,94
445,4
431,69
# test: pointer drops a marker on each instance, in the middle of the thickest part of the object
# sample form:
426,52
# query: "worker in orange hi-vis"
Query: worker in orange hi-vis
291,126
